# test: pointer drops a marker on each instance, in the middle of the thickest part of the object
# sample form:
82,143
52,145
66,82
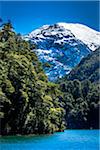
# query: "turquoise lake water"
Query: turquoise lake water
67,140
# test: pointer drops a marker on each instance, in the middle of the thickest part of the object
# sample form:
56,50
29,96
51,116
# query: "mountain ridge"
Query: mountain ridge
93,38
61,48
88,68
79,27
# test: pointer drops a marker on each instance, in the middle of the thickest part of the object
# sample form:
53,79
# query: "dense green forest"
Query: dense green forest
81,93
30,104
88,68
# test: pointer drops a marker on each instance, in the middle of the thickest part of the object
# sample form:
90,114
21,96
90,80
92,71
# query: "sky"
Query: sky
29,15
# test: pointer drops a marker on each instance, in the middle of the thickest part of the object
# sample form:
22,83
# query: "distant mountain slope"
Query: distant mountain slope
88,68
62,46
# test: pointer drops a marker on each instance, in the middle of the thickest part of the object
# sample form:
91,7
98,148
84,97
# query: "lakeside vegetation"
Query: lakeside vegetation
30,104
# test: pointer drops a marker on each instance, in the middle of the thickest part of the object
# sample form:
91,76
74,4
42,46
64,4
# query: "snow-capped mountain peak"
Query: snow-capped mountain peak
87,35
63,45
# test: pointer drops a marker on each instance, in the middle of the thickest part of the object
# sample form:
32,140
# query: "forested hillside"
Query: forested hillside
88,68
81,93
28,102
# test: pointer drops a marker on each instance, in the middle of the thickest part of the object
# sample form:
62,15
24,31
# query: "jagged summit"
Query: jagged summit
63,45
82,32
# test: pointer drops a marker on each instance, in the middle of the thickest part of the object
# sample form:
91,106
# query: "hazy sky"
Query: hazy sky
27,16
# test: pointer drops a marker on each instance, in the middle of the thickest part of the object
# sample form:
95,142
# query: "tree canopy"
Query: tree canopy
81,93
29,103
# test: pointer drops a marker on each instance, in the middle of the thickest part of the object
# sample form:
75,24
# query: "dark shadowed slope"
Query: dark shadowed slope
88,68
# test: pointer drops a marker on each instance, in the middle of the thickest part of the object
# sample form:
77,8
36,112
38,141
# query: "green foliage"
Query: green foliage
81,104
29,103
88,68
81,94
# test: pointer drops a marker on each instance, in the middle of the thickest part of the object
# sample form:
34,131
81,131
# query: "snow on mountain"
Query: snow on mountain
87,35
62,46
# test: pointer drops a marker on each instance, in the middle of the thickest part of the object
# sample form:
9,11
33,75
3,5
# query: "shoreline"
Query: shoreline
30,135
